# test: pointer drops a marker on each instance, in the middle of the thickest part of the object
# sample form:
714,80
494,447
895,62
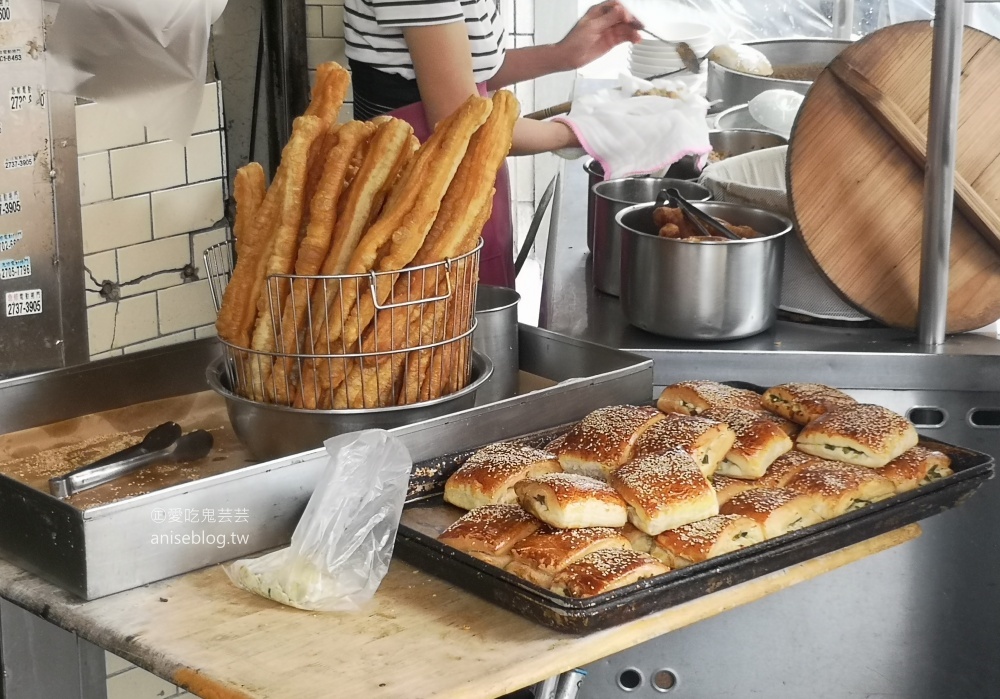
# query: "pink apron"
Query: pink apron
496,261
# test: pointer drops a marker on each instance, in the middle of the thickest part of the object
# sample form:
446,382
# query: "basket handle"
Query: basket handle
402,304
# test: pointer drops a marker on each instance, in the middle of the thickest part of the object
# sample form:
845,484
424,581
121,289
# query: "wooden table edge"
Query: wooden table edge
568,652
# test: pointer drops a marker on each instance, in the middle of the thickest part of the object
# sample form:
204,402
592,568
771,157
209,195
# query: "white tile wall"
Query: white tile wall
152,259
325,42
147,168
99,127
149,209
186,209
95,177
185,306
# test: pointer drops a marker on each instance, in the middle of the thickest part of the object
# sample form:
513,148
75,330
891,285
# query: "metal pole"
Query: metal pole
843,19
939,178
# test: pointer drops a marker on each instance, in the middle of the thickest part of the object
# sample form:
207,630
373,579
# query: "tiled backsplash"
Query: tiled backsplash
150,207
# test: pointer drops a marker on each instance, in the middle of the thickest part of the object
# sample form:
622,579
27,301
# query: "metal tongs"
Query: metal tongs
697,217
163,444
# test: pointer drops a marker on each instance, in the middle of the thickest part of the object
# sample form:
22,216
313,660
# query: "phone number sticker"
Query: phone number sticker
9,240
20,97
5,11
19,161
15,55
10,203
15,269
23,303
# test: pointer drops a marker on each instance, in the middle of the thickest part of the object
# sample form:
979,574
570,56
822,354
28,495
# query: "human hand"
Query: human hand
603,27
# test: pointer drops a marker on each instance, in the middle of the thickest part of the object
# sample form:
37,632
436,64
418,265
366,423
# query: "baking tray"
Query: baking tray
426,514
123,535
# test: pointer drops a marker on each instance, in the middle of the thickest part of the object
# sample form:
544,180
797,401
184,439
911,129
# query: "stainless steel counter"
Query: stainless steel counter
852,357
917,622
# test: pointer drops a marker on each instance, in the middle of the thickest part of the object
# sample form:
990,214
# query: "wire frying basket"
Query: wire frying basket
355,341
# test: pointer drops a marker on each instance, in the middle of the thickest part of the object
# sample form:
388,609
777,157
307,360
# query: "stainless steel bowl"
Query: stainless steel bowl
739,141
738,119
702,291
613,196
733,87
272,431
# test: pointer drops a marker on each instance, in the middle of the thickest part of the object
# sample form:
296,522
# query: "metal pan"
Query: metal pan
416,544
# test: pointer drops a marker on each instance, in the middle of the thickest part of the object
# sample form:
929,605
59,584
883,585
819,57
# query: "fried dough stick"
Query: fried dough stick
389,150
399,232
249,189
239,309
313,250
463,215
280,258
464,211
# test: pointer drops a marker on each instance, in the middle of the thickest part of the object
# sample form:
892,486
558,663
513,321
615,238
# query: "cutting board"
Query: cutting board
858,198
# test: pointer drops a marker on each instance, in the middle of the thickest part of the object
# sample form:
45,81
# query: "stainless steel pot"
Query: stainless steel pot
733,87
272,431
684,169
739,141
613,196
595,174
702,291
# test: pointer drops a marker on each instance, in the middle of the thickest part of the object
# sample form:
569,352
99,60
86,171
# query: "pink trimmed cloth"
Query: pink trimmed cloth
496,260
640,135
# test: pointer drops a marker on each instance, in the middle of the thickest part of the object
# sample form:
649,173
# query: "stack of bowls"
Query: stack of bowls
654,57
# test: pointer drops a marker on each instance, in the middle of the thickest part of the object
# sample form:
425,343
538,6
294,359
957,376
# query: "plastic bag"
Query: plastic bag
147,59
341,547
640,135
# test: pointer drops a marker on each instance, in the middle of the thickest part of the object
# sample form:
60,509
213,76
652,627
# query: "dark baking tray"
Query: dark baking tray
579,616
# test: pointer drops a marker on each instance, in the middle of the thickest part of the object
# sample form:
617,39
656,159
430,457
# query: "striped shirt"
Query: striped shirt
373,32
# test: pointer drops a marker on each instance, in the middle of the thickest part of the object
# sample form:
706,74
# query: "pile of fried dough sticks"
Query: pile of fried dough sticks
353,199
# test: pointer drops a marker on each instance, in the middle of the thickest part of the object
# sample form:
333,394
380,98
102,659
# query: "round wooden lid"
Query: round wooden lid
858,198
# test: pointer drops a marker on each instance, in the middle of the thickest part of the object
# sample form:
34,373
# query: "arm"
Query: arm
442,60
601,28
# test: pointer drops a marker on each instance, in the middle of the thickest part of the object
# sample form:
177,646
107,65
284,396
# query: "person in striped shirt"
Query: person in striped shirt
420,59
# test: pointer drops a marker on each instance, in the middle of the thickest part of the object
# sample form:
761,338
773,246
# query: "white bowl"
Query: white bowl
654,68
659,48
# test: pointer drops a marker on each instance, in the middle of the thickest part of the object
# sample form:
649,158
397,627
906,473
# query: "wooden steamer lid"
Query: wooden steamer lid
858,198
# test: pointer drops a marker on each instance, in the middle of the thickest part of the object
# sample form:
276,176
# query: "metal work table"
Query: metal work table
914,622
867,358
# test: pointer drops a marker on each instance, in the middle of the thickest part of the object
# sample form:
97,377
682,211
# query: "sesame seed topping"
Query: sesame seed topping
655,482
673,432
702,533
719,395
760,500
502,460
571,486
607,433
490,523
803,392
870,425
830,479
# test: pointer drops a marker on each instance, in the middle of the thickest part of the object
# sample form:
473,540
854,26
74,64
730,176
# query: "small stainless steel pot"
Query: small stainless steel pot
684,169
272,431
733,87
610,198
595,174
702,291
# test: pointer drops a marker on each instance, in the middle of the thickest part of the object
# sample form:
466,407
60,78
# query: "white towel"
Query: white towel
639,135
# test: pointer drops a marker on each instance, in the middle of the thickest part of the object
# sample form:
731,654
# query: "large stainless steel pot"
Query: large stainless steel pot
272,431
733,87
610,198
702,291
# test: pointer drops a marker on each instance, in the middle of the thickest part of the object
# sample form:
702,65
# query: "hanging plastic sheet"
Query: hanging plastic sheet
148,59
748,20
